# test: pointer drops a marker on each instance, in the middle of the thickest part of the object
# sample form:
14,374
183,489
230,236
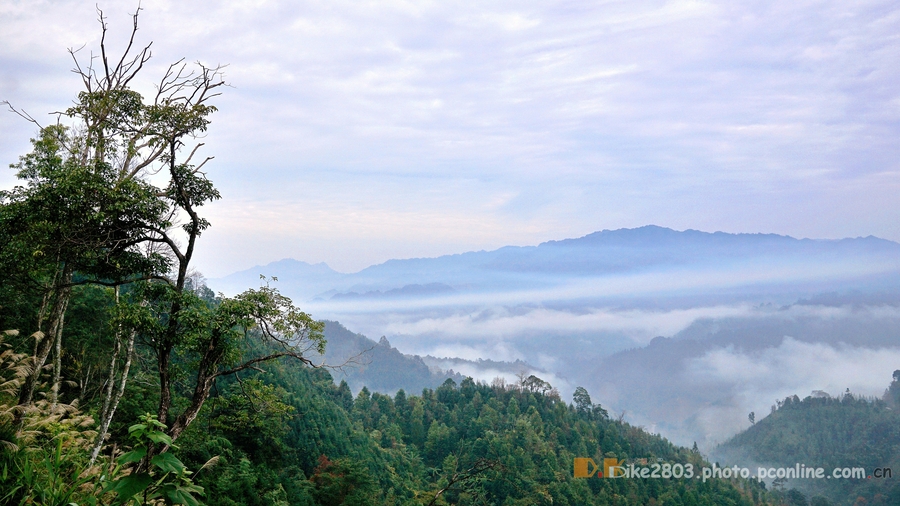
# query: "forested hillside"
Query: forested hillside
362,362
288,435
829,432
479,444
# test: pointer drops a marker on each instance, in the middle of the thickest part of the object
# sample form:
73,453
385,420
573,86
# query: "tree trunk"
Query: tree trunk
60,301
110,404
57,357
113,363
113,394
165,383
201,393
206,376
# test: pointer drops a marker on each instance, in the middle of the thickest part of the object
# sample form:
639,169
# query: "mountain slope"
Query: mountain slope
465,443
362,362
826,432
700,383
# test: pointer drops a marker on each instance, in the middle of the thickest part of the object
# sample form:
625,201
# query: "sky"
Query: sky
355,132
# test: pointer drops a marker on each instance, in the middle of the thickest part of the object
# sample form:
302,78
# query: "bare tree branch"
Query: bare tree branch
21,113
250,363
103,44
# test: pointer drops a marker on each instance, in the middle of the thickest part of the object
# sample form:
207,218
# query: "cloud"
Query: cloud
487,293
798,367
745,116
756,380
506,322
509,333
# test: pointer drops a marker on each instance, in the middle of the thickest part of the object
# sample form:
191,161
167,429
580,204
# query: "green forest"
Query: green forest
125,380
829,432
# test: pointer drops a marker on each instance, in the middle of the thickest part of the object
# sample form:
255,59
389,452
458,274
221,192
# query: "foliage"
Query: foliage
44,453
43,446
827,432
166,478
341,482
286,436
469,443
77,213
114,200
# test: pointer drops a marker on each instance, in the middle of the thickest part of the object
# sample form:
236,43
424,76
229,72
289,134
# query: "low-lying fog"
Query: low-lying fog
746,319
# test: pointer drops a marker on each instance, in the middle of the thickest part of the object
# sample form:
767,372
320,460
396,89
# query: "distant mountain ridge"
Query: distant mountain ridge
406,291
607,252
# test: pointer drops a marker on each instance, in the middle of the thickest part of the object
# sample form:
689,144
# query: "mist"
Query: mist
684,333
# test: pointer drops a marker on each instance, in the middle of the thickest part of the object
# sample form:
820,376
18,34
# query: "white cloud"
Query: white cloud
798,367
758,379
502,322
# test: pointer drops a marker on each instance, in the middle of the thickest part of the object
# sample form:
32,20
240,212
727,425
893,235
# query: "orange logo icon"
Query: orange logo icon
587,468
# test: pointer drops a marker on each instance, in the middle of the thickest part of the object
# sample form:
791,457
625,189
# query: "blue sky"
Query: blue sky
360,131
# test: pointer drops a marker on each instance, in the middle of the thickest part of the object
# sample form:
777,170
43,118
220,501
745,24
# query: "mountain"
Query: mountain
700,383
304,279
362,362
827,432
404,292
378,366
739,319
301,439
609,252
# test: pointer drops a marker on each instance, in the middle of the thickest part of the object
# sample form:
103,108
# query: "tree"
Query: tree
892,395
583,405
83,209
796,498
90,213
582,400
341,482
535,385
